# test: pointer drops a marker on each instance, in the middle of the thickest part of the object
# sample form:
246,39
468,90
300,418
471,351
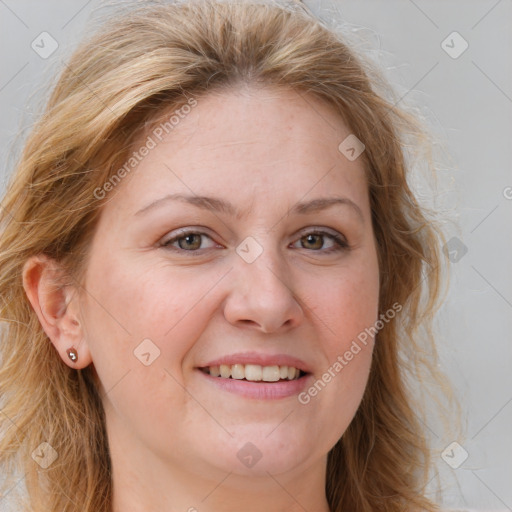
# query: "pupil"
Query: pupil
311,240
189,241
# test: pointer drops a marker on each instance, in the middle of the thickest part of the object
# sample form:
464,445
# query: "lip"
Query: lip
259,390
260,359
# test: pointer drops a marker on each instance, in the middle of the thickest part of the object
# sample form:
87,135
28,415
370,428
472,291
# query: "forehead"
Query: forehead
260,116
269,143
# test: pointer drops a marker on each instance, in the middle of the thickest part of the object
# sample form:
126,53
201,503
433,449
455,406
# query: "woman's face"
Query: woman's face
224,245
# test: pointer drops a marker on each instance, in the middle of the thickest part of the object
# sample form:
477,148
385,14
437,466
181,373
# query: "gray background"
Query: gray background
467,101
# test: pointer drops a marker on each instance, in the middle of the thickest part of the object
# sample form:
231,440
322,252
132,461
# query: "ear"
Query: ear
57,308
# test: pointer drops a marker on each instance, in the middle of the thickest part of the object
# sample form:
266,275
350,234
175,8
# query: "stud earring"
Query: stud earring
72,354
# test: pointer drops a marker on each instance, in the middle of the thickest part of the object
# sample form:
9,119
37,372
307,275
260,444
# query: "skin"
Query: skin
174,437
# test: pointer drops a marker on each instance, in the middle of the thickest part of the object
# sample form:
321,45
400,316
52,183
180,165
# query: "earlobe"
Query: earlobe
57,308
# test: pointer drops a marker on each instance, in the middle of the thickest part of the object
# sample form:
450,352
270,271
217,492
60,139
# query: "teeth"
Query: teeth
237,371
254,372
225,371
270,373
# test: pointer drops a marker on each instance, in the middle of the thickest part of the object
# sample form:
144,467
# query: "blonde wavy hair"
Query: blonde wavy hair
141,63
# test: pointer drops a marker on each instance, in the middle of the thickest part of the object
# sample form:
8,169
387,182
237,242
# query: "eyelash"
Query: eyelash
340,243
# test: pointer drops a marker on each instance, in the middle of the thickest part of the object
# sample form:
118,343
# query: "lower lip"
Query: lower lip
260,390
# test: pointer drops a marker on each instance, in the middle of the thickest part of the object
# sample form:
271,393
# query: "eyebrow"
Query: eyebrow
222,206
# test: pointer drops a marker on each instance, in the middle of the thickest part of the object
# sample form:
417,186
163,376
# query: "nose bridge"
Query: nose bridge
263,261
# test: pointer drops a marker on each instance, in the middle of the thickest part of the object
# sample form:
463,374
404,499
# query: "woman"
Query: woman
212,270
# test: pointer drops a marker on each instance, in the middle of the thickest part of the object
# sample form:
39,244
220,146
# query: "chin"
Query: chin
260,452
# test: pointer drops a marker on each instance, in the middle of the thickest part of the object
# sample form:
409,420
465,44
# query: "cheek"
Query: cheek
345,310
345,305
127,305
140,324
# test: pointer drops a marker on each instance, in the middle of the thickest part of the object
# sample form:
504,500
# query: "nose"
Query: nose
262,296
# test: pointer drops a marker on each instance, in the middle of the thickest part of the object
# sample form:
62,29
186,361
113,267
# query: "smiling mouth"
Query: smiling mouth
254,372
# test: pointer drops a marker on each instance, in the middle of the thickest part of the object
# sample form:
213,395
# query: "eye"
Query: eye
190,241
196,241
316,241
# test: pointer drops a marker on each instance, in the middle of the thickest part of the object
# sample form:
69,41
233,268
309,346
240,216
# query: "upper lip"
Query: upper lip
260,359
